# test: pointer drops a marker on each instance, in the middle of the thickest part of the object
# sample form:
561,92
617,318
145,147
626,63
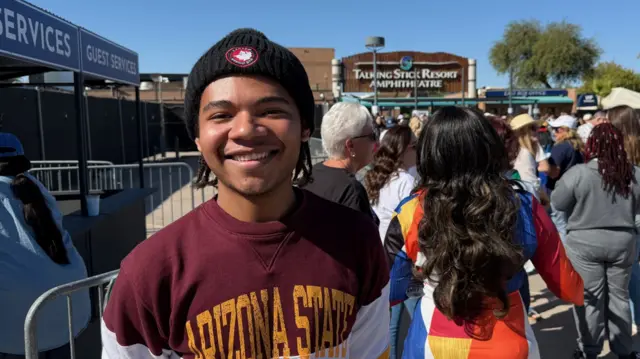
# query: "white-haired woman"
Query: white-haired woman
348,139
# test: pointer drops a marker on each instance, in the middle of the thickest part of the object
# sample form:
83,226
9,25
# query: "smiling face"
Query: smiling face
249,133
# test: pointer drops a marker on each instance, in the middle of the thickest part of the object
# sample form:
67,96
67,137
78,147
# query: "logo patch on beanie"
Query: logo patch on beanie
242,56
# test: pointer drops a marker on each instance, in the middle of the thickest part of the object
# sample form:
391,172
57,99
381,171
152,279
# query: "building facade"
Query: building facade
316,61
405,79
547,101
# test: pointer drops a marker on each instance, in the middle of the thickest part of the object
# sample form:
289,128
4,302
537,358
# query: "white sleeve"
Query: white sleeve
369,337
405,187
526,165
540,154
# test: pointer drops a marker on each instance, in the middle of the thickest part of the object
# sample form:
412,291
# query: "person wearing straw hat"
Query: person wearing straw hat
36,254
531,158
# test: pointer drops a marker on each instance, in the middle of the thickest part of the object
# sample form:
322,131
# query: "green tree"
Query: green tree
608,75
555,55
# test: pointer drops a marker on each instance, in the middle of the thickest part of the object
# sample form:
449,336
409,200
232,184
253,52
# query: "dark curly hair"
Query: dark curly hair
507,136
606,143
387,159
470,214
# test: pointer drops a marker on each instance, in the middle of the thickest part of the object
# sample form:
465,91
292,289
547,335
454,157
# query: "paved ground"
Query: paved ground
177,196
556,332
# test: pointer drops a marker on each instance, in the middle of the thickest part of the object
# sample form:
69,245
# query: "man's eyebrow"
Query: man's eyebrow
216,104
226,104
272,99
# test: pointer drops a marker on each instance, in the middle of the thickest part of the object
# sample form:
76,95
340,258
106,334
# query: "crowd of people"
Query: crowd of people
443,216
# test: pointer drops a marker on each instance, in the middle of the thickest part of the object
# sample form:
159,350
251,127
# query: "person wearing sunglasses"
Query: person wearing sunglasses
348,139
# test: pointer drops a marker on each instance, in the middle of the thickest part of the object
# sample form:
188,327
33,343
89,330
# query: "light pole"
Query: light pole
510,109
158,79
375,43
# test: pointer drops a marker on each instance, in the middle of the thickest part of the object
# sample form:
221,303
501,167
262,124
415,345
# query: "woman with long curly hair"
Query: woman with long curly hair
470,230
602,199
387,183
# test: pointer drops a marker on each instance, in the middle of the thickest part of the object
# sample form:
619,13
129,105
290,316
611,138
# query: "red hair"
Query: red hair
606,143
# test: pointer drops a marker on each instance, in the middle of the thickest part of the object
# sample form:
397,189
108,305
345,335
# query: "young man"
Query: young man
264,270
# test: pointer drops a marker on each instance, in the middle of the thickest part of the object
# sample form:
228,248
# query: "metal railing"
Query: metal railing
30,323
50,177
66,163
175,196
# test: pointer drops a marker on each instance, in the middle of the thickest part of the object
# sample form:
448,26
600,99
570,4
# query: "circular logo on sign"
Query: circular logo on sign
406,63
243,56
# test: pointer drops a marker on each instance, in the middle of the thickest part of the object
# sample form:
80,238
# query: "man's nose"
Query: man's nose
244,126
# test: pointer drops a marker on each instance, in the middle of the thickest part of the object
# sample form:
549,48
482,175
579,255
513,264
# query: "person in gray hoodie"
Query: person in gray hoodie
602,199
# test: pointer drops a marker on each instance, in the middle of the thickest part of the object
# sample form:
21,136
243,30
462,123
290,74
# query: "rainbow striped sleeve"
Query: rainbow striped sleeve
552,262
401,245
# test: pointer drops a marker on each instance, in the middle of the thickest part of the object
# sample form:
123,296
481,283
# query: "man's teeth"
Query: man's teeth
251,157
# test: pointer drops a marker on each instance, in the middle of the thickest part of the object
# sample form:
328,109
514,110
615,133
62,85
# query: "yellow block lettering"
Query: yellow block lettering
262,323
314,294
349,302
244,303
191,342
216,316
203,319
338,307
279,329
327,325
302,322
229,307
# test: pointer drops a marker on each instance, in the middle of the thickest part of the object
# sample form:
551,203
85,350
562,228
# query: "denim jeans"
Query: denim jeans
396,319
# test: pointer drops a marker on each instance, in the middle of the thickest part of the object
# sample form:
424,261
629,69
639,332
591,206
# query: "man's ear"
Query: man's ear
306,134
198,144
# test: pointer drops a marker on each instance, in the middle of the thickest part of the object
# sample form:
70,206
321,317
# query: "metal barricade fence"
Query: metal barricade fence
52,177
66,163
175,196
30,323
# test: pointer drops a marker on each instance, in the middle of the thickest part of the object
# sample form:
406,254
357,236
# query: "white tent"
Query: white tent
621,96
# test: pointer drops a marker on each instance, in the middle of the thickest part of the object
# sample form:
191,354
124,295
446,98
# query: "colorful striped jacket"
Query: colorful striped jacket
432,335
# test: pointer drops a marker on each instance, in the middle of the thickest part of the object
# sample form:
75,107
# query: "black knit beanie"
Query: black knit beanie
248,51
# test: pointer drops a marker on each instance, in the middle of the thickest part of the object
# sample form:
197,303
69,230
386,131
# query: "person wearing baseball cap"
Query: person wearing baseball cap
566,152
264,269
36,255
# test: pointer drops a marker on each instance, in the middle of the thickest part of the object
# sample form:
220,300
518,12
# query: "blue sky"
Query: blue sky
170,35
